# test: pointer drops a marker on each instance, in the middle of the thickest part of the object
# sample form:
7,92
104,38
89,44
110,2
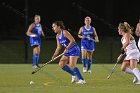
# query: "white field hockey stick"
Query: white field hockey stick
113,69
32,35
47,63
90,38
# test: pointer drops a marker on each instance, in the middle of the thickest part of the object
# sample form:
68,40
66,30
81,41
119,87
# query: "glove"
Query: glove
122,51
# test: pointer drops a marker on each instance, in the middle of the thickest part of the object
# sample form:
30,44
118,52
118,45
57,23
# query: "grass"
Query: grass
15,78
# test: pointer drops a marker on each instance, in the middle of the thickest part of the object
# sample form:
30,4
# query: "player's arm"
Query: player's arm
96,36
57,49
80,33
42,32
29,31
127,38
137,32
70,37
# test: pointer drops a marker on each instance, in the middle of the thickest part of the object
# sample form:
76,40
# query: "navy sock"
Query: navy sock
84,62
68,69
34,59
37,58
89,63
78,74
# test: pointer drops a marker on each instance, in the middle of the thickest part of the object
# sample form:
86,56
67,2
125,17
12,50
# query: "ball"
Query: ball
31,82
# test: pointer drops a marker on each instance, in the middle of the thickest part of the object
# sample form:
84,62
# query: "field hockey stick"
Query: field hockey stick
89,38
113,69
47,63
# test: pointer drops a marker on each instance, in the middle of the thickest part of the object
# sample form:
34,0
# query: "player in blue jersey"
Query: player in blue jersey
71,52
88,36
34,32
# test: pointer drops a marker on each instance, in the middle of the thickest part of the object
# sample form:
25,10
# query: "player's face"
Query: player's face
87,21
55,28
120,31
37,19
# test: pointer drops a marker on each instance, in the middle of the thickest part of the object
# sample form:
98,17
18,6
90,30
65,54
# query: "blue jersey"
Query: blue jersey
74,50
85,43
87,32
36,40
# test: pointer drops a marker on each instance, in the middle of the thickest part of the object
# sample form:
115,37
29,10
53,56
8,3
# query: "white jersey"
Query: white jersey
139,43
132,52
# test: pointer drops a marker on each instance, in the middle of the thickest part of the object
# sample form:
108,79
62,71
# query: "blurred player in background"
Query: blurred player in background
137,32
88,36
72,52
129,47
34,32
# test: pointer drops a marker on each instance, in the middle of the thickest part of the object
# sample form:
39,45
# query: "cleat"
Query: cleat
84,69
135,80
35,67
138,82
89,71
81,82
74,79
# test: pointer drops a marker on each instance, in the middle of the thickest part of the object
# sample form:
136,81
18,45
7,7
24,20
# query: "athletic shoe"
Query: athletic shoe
89,71
135,80
81,82
74,79
138,82
84,69
35,67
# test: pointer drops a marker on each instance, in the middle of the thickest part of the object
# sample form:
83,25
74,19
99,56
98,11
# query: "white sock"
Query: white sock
129,71
136,73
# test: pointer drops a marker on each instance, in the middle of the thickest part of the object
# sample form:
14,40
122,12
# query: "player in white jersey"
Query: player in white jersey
129,64
137,32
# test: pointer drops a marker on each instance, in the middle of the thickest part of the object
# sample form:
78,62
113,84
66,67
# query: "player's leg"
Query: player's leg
35,43
133,65
62,64
84,60
89,56
125,68
90,47
72,63
36,52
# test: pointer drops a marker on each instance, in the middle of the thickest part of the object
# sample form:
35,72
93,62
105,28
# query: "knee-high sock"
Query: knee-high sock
78,74
84,62
129,71
35,59
89,63
69,70
136,73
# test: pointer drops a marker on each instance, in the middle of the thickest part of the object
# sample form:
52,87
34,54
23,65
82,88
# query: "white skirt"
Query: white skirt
132,54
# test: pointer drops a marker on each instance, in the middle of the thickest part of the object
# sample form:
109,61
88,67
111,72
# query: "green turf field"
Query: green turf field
15,78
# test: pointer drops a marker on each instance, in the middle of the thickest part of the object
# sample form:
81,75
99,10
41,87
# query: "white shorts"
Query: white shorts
132,54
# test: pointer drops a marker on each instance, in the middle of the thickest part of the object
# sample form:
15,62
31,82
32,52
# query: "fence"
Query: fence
14,51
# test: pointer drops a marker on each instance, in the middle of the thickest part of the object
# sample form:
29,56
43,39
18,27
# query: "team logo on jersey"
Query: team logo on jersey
87,33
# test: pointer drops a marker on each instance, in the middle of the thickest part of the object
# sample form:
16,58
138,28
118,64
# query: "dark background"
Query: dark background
16,15
106,15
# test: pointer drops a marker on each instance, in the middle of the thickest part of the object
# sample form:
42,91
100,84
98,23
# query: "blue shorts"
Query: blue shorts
73,51
87,45
35,41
